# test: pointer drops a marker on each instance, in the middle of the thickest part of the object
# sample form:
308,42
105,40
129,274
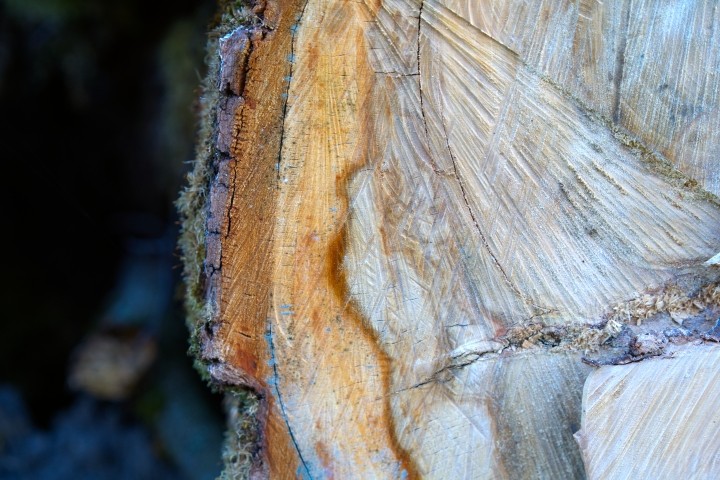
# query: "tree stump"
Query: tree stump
416,227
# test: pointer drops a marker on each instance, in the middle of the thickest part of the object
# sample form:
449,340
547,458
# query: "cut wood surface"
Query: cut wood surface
635,426
425,212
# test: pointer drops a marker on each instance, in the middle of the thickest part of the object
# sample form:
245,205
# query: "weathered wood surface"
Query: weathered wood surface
641,423
422,206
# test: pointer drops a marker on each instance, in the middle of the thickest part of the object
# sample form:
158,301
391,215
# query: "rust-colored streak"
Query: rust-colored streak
325,459
338,281
333,377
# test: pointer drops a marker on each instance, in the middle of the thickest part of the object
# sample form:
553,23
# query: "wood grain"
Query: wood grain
651,67
240,225
409,181
635,426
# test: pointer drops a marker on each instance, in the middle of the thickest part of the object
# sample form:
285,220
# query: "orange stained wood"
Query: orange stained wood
258,253
333,375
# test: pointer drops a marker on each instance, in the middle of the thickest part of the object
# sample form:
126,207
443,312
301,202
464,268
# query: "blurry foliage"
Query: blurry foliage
98,101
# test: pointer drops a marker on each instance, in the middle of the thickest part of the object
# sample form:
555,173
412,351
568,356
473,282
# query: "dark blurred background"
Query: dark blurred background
98,107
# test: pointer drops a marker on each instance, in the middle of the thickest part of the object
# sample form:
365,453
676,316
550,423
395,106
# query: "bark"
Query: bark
429,221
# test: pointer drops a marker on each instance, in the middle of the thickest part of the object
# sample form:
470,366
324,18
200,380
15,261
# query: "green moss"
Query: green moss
192,205
242,439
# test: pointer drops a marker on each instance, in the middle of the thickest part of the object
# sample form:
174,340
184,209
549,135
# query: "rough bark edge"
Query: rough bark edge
241,404
193,203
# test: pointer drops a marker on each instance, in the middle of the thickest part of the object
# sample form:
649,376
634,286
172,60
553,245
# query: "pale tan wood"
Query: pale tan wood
651,67
654,419
449,175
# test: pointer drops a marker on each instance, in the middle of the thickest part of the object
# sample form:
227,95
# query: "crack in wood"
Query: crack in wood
293,35
275,384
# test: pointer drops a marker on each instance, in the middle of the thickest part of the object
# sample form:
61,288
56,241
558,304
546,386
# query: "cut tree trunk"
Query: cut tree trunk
430,221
